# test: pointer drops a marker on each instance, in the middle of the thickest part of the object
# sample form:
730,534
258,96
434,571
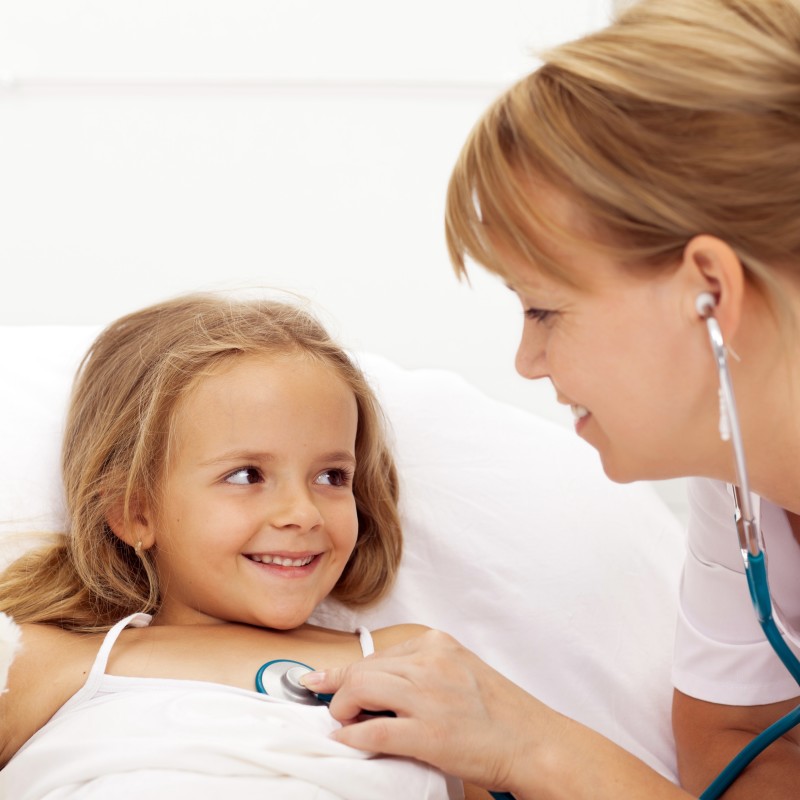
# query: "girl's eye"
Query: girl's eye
538,314
335,477
244,476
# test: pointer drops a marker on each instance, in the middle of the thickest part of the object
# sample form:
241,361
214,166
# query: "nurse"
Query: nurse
637,169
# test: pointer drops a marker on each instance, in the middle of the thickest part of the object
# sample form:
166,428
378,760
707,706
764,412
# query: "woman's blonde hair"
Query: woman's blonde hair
682,117
117,441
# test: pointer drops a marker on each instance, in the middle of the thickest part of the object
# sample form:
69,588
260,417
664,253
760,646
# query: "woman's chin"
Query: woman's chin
625,470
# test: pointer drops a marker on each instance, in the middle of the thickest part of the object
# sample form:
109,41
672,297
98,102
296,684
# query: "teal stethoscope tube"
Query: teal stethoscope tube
754,564
759,592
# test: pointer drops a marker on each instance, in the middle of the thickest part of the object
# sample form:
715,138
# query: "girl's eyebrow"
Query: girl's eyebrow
238,455
337,456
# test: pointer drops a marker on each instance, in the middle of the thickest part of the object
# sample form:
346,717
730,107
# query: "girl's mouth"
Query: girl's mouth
280,561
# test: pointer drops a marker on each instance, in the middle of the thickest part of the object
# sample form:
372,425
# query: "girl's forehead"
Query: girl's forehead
257,369
263,397
231,364
250,377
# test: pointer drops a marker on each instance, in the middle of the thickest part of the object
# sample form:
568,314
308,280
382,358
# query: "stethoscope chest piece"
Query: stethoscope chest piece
281,679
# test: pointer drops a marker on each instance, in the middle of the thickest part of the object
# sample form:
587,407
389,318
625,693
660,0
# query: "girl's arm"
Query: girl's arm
48,668
456,712
709,735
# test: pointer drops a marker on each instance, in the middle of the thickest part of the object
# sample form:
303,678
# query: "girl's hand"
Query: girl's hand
453,710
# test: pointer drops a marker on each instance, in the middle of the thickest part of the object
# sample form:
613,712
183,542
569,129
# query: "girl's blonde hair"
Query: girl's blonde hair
682,117
116,447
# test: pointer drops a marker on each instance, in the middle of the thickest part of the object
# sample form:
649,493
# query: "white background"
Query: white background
159,146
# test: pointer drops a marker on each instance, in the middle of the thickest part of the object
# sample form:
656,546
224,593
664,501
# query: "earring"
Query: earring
138,548
724,418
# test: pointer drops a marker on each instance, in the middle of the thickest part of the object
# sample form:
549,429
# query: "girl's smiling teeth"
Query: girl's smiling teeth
281,561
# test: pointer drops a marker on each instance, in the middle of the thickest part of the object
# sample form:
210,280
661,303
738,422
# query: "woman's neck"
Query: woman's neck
768,395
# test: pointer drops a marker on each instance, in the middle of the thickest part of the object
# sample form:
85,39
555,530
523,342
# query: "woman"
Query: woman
639,169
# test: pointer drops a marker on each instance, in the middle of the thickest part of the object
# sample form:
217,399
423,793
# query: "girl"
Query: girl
225,469
641,182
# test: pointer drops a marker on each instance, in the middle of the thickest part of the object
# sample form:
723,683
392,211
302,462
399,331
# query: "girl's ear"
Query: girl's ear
711,265
137,530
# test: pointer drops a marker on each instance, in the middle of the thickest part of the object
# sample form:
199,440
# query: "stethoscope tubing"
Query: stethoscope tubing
757,582
722,782
756,572
755,568
749,535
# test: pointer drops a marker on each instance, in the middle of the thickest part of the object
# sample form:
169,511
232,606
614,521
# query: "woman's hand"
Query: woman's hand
453,710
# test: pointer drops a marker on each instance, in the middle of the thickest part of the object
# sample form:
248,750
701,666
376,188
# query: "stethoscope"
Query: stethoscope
751,546
281,678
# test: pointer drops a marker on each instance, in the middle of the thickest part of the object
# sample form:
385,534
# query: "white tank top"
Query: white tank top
129,738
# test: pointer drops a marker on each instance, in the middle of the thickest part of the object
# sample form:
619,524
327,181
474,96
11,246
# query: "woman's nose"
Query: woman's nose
531,359
294,507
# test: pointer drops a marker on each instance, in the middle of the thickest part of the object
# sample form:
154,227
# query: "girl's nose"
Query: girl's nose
294,507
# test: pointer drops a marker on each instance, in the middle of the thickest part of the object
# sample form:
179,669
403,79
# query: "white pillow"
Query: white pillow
515,541
9,641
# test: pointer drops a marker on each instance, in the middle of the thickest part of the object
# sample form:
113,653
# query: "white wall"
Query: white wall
158,146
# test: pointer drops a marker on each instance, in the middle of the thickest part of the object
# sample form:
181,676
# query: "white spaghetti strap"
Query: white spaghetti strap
101,660
365,638
98,669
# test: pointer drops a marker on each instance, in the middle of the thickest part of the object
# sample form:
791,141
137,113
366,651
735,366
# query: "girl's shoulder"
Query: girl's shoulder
49,667
396,634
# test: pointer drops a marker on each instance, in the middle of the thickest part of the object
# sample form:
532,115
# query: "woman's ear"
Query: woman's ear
136,530
711,265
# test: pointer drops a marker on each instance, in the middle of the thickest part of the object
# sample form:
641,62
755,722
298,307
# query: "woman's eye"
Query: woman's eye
538,314
244,476
335,477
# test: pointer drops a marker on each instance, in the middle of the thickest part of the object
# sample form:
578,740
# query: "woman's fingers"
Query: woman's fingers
452,709
377,683
395,735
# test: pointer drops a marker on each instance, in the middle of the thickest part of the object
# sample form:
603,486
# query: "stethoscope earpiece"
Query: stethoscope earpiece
705,304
